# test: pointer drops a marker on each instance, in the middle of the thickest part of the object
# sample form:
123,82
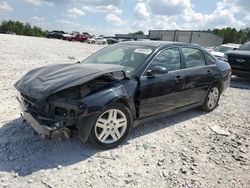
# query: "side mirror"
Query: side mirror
156,70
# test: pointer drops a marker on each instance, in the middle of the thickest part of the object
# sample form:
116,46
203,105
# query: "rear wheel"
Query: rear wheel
212,99
111,126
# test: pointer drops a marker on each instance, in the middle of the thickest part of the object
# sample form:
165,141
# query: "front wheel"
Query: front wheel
212,99
111,126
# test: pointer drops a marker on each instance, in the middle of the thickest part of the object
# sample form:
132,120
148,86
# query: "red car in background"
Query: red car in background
78,37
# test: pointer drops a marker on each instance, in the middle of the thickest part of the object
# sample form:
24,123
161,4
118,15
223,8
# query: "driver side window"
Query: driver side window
169,58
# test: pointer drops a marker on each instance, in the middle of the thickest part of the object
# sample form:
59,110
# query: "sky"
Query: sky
123,16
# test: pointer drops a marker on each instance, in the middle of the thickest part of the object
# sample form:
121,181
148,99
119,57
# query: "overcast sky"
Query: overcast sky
123,16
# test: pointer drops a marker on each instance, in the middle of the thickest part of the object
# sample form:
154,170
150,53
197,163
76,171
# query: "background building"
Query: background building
131,36
203,38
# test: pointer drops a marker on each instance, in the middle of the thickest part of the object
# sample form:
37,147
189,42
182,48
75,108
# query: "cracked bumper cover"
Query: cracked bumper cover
43,130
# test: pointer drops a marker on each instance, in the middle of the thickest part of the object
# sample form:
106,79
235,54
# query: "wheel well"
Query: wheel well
128,105
219,84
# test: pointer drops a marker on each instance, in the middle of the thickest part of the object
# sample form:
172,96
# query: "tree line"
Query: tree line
20,28
230,35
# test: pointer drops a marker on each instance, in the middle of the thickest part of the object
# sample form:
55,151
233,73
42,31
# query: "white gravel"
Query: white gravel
190,149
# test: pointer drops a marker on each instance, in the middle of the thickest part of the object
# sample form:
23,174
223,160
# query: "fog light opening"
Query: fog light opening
61,111
72,113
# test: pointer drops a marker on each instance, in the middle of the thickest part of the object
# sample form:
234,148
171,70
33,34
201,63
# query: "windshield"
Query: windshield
224,49
245,47
130,56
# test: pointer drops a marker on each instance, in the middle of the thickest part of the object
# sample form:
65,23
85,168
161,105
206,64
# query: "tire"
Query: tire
103,43
212,99
104,132
93,42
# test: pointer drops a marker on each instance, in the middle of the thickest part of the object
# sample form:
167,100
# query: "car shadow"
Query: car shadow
162,123
241,83
24,152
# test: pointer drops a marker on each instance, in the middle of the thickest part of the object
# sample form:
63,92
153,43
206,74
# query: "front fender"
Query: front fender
118,91
122,92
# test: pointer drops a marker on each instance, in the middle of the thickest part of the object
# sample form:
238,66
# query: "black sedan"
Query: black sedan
106,95
240,60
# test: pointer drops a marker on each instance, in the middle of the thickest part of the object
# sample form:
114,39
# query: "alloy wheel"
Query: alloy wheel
110,126
213,97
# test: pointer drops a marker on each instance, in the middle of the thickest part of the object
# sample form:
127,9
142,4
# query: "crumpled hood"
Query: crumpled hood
41,82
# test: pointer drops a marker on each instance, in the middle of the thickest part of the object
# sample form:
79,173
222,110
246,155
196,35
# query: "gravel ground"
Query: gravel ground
190,149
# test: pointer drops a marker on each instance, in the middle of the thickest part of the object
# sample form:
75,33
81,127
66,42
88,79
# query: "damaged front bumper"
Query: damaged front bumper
43,130
45,127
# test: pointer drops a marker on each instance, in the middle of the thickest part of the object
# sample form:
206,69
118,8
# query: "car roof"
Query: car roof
159,43
231,45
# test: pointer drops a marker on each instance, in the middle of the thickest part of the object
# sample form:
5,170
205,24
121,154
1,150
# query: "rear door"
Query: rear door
199,75
163,92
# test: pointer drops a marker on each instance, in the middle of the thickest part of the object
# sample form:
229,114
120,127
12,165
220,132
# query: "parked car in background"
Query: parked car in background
100,40
111,40
211,48
86,34
91,40
240,60
72,35
56,34
221,50
125,40
116,88
78,37
66,35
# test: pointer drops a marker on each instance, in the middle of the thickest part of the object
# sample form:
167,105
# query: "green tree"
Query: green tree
21,29
27,30
137,33
231,35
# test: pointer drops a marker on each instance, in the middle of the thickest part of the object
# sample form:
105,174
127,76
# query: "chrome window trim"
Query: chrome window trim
212,65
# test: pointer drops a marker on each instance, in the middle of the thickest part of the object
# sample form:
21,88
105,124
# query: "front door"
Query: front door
162,92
